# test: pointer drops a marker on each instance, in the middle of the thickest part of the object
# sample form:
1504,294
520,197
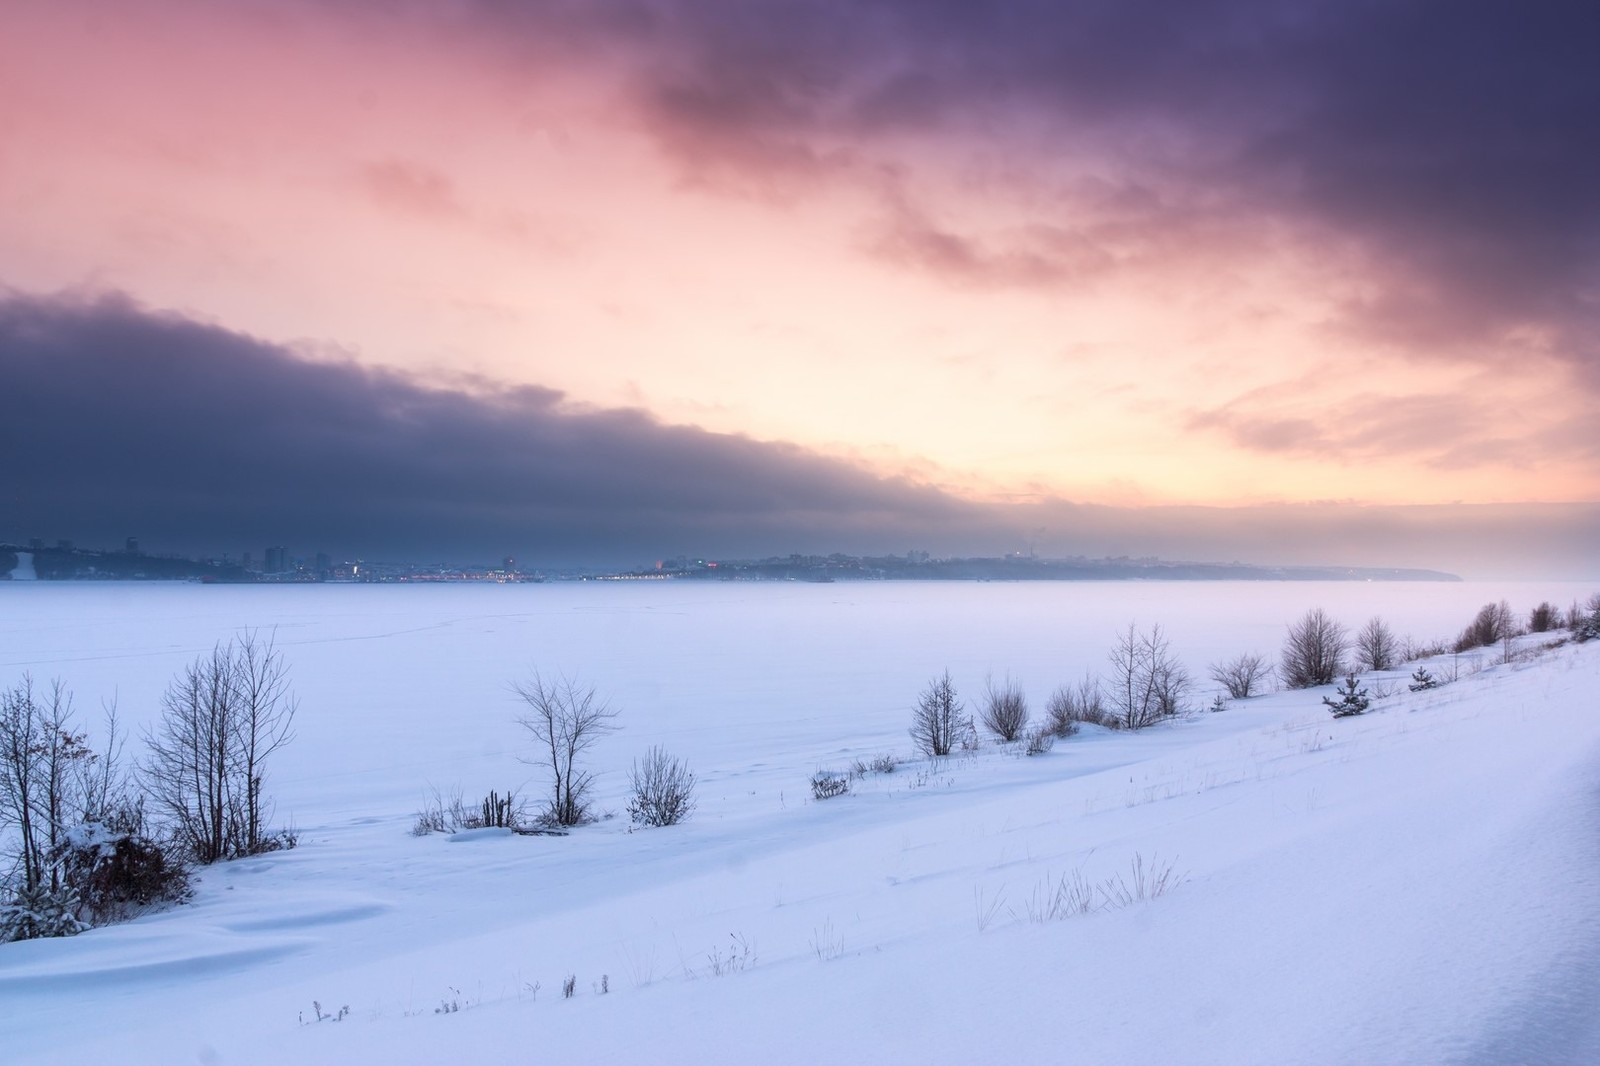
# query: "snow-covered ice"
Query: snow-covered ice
1412,885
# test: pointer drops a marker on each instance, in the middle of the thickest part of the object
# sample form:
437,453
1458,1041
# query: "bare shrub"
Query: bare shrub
205,761
1040,740
498,812
1544,618
661,790
1376,646
1412,649
565,719
1243,675
438,814
1070,705
879,764
1005,709
1313,653
826,784
1147,682
452,814
1494,622
937,723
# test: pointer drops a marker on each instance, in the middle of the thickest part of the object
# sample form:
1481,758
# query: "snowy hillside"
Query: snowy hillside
1413,885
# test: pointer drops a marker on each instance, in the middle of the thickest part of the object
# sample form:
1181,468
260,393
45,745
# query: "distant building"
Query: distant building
277,561
509,565
132,546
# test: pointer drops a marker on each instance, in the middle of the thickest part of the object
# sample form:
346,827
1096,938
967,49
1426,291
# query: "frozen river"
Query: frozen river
410,683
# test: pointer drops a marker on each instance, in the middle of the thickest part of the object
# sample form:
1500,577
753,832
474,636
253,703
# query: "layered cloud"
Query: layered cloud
118,421
1219,254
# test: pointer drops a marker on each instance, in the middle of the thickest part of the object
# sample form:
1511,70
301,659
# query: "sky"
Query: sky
605,281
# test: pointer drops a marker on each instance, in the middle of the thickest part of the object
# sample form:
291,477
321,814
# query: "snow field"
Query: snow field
1413,885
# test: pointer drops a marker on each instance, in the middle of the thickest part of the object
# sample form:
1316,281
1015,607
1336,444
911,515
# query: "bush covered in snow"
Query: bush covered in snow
826,784
39,911
1585,621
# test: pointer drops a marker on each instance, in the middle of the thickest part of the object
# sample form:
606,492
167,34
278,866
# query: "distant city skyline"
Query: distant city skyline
593,283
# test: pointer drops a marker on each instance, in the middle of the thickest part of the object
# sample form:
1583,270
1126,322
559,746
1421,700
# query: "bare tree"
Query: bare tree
1243,675
1147,681
266,710
46,772
1494,622
65,821
661,790
1314,652
1377,648
1005,709
1544,618
1084,702
565,719
937,724
206,759
187,767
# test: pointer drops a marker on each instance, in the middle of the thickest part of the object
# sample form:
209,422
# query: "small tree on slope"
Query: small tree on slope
1352,699
937,722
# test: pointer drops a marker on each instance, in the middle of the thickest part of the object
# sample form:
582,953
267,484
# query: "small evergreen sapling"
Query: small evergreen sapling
1422,680
1352,699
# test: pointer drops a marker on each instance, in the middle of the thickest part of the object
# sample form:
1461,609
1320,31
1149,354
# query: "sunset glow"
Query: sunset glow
1124,257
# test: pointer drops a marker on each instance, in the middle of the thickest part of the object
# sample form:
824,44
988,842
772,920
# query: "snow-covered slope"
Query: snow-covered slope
1413,885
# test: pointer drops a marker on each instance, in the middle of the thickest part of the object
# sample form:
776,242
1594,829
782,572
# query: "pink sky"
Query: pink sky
865,247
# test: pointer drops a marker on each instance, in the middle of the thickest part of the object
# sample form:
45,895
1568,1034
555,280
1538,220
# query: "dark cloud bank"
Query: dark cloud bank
116,421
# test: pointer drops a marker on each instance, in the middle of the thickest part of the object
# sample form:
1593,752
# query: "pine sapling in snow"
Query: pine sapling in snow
1422,680
1352,699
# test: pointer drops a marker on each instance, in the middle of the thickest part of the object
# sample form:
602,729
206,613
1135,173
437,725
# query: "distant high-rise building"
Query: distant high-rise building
324,564
277,561
246,561
508,564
